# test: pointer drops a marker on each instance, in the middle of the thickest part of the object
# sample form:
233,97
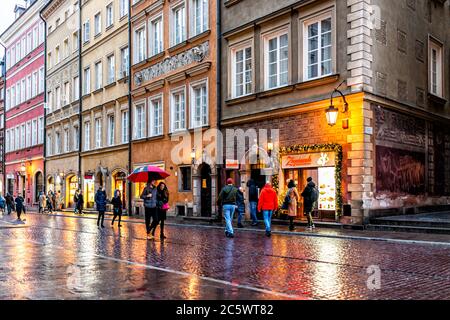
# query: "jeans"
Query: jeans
9,209
241,214
228,212
267,219
253,210
310,219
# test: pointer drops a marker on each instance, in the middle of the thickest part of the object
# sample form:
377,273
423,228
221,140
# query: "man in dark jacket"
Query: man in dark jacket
227,199
150,195
240,204
309,201
253,200
19,206
100,202
80,202
9,203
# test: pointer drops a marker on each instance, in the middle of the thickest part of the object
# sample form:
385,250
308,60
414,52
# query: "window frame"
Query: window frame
172,106
276,34
151,115
233,51
434,44
192,103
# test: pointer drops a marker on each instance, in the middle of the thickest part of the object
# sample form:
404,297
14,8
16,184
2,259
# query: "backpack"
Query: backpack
314,195
287,201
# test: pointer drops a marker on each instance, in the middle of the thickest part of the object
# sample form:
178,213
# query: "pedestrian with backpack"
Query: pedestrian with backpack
227,199
310,197
268,203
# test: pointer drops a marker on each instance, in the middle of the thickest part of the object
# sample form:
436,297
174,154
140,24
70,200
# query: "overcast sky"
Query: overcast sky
7,15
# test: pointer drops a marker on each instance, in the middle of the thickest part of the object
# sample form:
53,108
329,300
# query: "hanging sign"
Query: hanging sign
308,160
232,164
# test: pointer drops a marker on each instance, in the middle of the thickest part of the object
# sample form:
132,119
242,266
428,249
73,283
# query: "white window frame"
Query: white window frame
266,39
151,115
156,34
98,70
86,31
172,110
110,15
234,50
192,102
123,8
41,130
124,59
111,129
66,140
87,136
204,13
137,57
435,88
111,71
98,130
87,81
125,122
318,18
173,28
139,120
97,24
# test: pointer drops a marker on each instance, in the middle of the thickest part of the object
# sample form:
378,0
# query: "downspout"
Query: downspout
45,102
130,131
4,122
219,91
80,93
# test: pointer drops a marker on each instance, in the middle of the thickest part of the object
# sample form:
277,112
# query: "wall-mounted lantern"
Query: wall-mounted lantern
332,112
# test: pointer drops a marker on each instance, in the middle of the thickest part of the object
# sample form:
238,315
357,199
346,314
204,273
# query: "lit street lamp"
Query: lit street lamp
332,112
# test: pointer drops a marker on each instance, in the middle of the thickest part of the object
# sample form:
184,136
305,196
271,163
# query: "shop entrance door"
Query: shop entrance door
206,197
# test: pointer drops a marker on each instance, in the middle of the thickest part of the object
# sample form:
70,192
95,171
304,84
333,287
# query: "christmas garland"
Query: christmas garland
329,147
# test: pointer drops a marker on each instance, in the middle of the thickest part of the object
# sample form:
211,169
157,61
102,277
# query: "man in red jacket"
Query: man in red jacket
268,203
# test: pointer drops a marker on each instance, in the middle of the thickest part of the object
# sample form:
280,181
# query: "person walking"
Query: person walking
42,202
310,197
54,202
240,206
2,204
293,204
100,203
253,201
162,198
268,203
19,206
149,195
117,204
227,199
60,201
49,202
80,202
9,203
75,201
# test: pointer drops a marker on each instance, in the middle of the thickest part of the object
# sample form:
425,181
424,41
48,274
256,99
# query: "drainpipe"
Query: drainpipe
4,122
130,110
219,88
80,93
45,103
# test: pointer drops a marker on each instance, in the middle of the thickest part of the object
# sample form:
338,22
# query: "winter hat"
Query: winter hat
230,181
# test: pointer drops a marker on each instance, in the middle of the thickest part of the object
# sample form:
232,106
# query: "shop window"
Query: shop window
185,181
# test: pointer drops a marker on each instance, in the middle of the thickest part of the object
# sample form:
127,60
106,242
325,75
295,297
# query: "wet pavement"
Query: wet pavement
56,257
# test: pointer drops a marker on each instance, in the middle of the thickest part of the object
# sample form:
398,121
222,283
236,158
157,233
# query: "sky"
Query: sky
7,15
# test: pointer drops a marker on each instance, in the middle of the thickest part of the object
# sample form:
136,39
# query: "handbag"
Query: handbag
165,206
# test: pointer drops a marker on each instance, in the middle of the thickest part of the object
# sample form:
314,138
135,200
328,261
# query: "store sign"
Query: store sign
88,177
232,164
308,160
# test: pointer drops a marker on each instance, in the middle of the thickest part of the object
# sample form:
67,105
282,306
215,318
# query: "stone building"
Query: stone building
174,97
105,112
62,113
2,125
387,150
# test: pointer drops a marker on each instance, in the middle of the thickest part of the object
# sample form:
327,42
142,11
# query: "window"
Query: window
87,81
125,127
49,144
140,45
66,96
23,90
318,47
58,98
87,31
98,133
76,88
8,59
199,105
50,101
17,138
13,56
41,80
139,121
277,60
87,136
76,142
97,24
435,68
57,143
13,96
18,93
98,75
23,47
111,130
22,136
75,40
66,48
200,16
41,130
28,134
156,117
35,37
109,15
66,140
8,99
41,32
49,60
34,84
29,42
34,129
124,62
185,182
18,52
111,69
178,111
29,86
178,24
156,30
242,72
123,8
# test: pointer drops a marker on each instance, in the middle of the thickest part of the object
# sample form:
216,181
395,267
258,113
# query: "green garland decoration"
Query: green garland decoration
328,147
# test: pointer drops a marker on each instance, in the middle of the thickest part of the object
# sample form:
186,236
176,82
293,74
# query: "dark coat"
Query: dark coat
162,197
252,191
100,200
151,201
240,201
9,200
227,196
80,201
117,205
308,204
19,203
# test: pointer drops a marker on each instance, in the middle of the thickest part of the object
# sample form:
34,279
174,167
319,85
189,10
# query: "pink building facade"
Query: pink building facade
24,103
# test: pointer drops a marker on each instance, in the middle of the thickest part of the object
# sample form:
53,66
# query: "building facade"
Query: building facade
281,63
24,102
105,111
62,88
2,124
174,99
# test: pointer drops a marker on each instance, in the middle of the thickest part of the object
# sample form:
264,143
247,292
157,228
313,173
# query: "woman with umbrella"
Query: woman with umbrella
150,175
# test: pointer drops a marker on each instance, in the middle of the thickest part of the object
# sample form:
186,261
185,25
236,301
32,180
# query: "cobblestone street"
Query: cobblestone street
53,257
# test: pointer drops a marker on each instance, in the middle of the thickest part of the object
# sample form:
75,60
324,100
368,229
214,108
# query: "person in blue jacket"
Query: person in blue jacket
100,203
